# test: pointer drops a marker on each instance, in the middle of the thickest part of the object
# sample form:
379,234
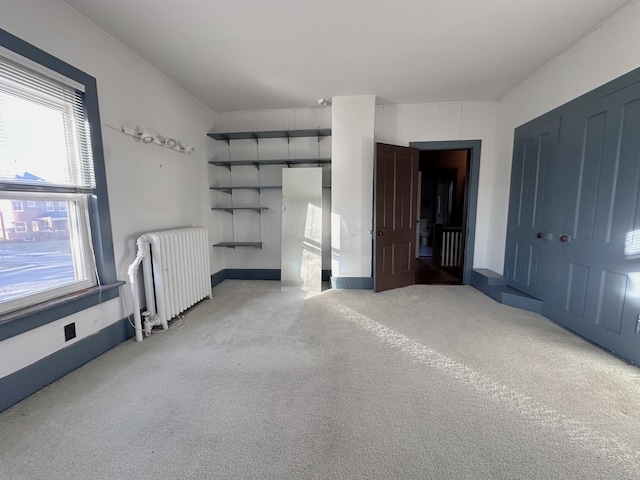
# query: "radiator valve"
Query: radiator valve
147,324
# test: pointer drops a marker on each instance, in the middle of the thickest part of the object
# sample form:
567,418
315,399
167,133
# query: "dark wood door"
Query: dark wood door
532,209
597,249
396,186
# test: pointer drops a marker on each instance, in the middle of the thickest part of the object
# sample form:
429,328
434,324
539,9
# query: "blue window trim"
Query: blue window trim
17,322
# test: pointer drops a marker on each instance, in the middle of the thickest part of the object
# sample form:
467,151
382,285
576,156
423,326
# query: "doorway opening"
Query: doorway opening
397,213
442,209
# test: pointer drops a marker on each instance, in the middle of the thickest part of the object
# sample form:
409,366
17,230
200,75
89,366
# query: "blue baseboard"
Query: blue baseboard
217,278
494,285
254,274
27,381
360,283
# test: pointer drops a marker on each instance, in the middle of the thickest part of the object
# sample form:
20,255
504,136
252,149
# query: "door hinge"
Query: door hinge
638,325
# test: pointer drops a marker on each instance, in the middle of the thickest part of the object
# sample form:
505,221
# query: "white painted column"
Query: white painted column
352,152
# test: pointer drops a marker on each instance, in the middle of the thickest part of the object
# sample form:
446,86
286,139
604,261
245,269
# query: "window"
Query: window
60,165
45,99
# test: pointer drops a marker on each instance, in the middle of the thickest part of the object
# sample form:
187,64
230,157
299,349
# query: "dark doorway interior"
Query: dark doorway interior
443,216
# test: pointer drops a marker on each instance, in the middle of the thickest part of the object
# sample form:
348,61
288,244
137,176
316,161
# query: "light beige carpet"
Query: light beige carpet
424,382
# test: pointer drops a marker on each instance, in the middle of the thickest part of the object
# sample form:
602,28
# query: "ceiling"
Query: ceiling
263,54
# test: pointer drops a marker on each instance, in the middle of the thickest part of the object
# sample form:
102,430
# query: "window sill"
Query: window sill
25,319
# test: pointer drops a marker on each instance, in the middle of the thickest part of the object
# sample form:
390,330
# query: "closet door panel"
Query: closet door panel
597,294
625,221
531,207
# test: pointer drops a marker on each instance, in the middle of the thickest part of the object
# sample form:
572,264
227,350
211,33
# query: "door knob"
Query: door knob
540,235
565,238
380,233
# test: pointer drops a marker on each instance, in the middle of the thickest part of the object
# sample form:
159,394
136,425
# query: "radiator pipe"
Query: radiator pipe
151,244
147,269
143,250
143,257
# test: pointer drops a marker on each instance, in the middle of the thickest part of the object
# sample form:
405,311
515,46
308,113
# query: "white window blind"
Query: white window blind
44,135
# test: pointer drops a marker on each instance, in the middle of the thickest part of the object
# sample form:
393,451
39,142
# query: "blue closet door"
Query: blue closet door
532,208
595,254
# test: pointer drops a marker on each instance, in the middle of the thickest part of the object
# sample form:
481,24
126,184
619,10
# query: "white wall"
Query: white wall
607,53
267,227
150,187
352,185
401,124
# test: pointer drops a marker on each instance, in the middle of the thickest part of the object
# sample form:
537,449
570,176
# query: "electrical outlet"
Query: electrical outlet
69,331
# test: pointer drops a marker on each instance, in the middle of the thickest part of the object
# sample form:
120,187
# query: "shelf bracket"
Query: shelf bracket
227,139
288,137
257,164
255,137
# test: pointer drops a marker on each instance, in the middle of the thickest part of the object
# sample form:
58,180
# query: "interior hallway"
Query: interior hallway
422,382
427,274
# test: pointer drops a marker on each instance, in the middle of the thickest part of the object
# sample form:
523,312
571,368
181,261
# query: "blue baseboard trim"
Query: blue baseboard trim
254,274
27,381
217,278
494,285
360,283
